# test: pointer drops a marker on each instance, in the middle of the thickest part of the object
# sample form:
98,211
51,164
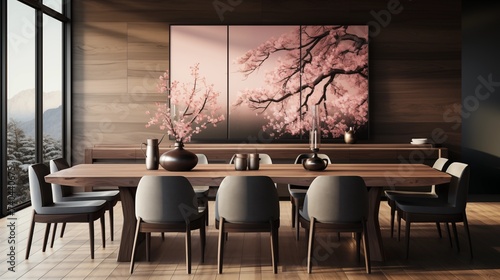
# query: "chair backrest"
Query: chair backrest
459,185
202,159
40,191
264,159
440,164
248,199
300,157
337,199
163,199
58,191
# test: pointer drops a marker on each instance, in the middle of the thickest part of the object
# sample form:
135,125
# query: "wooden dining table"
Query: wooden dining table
126,177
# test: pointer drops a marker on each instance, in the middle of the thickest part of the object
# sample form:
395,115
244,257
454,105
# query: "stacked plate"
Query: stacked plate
419,141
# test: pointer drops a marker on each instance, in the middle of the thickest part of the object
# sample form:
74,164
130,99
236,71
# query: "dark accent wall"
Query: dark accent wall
481,94
415,61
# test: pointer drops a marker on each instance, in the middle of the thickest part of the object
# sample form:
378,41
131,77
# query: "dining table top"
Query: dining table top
374,174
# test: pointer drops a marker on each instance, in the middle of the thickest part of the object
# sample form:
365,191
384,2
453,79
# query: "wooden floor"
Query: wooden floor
247,255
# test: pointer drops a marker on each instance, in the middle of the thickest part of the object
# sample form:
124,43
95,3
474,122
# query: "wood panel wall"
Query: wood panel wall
121,47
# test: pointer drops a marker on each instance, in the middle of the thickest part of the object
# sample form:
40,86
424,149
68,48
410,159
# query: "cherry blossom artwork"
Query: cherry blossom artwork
270,77
309,65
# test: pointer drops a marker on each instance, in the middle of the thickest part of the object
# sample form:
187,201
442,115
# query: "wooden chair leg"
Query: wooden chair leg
111,222
30,236
46,236
221,245
455,233
163,236
188,249
203,241
206,211
407,236
274,246
148,246
62,230
449,234
53,235
358,247
293,212
134,246
399,226
103,231
366,247
310,244
467,232
297,226
91,233
438,227
393,213
276,242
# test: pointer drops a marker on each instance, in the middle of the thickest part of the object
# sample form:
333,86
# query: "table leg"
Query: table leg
127,196
373,226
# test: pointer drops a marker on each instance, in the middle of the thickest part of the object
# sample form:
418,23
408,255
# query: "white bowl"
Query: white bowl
419,140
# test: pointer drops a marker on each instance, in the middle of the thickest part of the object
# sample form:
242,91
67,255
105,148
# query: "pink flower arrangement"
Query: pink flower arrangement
193,106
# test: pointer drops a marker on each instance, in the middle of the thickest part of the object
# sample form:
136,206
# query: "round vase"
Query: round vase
178,159
315,163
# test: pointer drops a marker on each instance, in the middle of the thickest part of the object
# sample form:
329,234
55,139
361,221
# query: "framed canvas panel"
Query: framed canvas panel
269,77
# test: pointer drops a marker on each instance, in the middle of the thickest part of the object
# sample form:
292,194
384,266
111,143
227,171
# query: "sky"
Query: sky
21,48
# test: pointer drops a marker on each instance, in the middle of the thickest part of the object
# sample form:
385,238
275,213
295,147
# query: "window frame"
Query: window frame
64,18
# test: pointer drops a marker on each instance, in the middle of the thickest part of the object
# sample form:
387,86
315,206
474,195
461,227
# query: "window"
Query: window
34,85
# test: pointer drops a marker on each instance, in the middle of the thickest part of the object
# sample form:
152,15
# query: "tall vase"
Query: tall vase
178,159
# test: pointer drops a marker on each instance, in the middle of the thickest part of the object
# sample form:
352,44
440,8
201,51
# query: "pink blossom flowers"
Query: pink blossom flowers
316,65
193,106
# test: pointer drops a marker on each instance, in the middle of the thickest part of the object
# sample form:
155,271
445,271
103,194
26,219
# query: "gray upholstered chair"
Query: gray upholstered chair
298,193
67,193
202,191
338,204
451,210
247,204
167,204
393,195
45,210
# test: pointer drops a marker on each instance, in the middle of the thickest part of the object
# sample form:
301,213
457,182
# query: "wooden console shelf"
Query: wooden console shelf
282,153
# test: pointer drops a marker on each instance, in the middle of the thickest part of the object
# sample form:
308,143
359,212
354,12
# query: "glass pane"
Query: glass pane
21,99
56,5
52,88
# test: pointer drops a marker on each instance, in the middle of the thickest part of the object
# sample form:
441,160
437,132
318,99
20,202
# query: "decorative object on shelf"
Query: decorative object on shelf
349,136
241,162
315,163
178,159
193,106
253,161
152,153
419,141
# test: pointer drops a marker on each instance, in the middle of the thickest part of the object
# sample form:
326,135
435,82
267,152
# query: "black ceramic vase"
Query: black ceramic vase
178,159
315,163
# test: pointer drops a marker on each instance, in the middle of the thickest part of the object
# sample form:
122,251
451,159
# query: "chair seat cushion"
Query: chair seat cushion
301,213
191,215
201,191
73,207
298,193
398,195
427,206
99,195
